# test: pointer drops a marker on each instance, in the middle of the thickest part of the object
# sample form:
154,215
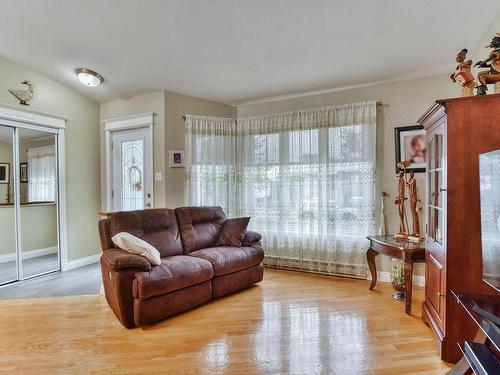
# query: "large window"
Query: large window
211,156
306,179
318,181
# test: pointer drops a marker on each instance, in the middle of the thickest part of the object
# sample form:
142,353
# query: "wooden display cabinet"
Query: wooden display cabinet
457,131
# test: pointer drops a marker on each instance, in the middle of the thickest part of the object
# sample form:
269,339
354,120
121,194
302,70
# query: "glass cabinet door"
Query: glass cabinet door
436,186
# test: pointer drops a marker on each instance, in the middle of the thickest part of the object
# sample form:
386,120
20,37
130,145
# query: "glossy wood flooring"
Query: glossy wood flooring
292,323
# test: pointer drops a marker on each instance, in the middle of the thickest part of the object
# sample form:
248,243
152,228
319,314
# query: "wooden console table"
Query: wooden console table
406,251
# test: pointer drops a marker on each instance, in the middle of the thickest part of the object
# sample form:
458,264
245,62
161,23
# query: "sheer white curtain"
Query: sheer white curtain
307,179
210,161
42,174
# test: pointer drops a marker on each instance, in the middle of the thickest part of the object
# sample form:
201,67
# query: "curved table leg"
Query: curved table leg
408,285
370,257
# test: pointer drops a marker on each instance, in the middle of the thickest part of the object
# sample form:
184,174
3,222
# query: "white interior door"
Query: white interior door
131,169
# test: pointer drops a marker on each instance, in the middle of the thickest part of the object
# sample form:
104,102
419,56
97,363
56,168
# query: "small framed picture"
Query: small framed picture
411,146
23,172
176,158
4,173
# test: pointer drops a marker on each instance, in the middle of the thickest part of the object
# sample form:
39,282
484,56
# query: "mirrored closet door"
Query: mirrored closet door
8,254
38,202
29,211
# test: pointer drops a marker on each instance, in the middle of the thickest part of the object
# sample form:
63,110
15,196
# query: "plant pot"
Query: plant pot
398,279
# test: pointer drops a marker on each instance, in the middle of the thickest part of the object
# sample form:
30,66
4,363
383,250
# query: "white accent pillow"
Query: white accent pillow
135,245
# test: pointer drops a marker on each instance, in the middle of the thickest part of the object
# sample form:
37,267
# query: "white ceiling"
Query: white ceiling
238,50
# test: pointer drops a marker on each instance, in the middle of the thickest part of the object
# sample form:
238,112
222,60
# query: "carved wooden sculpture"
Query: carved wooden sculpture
492,75
414,209
400,201
463,74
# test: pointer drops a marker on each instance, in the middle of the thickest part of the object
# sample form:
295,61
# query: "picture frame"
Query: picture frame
410,144
23,172
176,158
4,173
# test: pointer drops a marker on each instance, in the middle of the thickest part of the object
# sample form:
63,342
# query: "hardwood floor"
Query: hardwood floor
292,323
80,281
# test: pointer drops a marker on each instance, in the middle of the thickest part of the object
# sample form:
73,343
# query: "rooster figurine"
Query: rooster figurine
24,96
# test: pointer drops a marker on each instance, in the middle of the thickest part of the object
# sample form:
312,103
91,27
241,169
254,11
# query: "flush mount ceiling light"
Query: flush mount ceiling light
89,77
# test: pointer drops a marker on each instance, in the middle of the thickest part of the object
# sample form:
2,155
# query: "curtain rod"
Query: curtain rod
377,102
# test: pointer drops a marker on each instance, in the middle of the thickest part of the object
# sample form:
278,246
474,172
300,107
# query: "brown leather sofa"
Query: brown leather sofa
193,269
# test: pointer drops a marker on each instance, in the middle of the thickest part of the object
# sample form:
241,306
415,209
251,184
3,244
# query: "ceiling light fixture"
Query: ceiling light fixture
89,77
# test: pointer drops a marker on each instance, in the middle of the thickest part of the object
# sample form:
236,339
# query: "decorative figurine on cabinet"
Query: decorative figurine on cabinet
463,74
492,75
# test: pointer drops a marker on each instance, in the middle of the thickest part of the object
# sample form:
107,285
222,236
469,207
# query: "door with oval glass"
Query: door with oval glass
132,169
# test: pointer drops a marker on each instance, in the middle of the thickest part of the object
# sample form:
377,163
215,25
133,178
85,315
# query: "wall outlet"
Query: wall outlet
158,176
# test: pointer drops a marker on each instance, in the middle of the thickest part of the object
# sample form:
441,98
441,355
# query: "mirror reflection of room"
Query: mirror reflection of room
37,167
38,188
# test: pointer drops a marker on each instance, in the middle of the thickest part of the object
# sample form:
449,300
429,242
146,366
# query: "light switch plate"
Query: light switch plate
158,176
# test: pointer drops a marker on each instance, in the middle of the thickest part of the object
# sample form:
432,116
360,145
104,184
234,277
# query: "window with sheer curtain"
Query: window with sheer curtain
42,174
307,180
210,161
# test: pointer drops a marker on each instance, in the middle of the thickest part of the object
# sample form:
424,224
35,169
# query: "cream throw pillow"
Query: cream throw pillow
134,245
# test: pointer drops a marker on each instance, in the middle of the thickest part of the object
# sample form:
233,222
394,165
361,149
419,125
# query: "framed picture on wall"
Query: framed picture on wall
23,172
176,158
4,173
410,145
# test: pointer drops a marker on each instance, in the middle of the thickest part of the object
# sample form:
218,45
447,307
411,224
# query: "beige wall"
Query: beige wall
176,106
82,150
402,103
150,102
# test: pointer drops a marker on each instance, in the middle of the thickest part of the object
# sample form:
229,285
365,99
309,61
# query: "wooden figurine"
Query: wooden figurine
414,209
400,201
492,75
463,74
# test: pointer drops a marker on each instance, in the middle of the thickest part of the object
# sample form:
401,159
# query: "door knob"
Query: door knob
148,205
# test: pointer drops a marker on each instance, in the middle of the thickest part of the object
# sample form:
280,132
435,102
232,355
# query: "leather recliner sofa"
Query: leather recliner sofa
193,269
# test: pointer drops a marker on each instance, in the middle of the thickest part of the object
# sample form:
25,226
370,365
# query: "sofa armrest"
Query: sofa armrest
118,259
251,238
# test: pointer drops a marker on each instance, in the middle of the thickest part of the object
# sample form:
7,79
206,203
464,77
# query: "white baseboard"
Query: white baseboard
11,257
80,262
385,277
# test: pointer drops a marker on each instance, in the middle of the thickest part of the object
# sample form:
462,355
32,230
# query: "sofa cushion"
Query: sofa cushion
226,259
134,245
157,227
232,232
174,273
199,226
